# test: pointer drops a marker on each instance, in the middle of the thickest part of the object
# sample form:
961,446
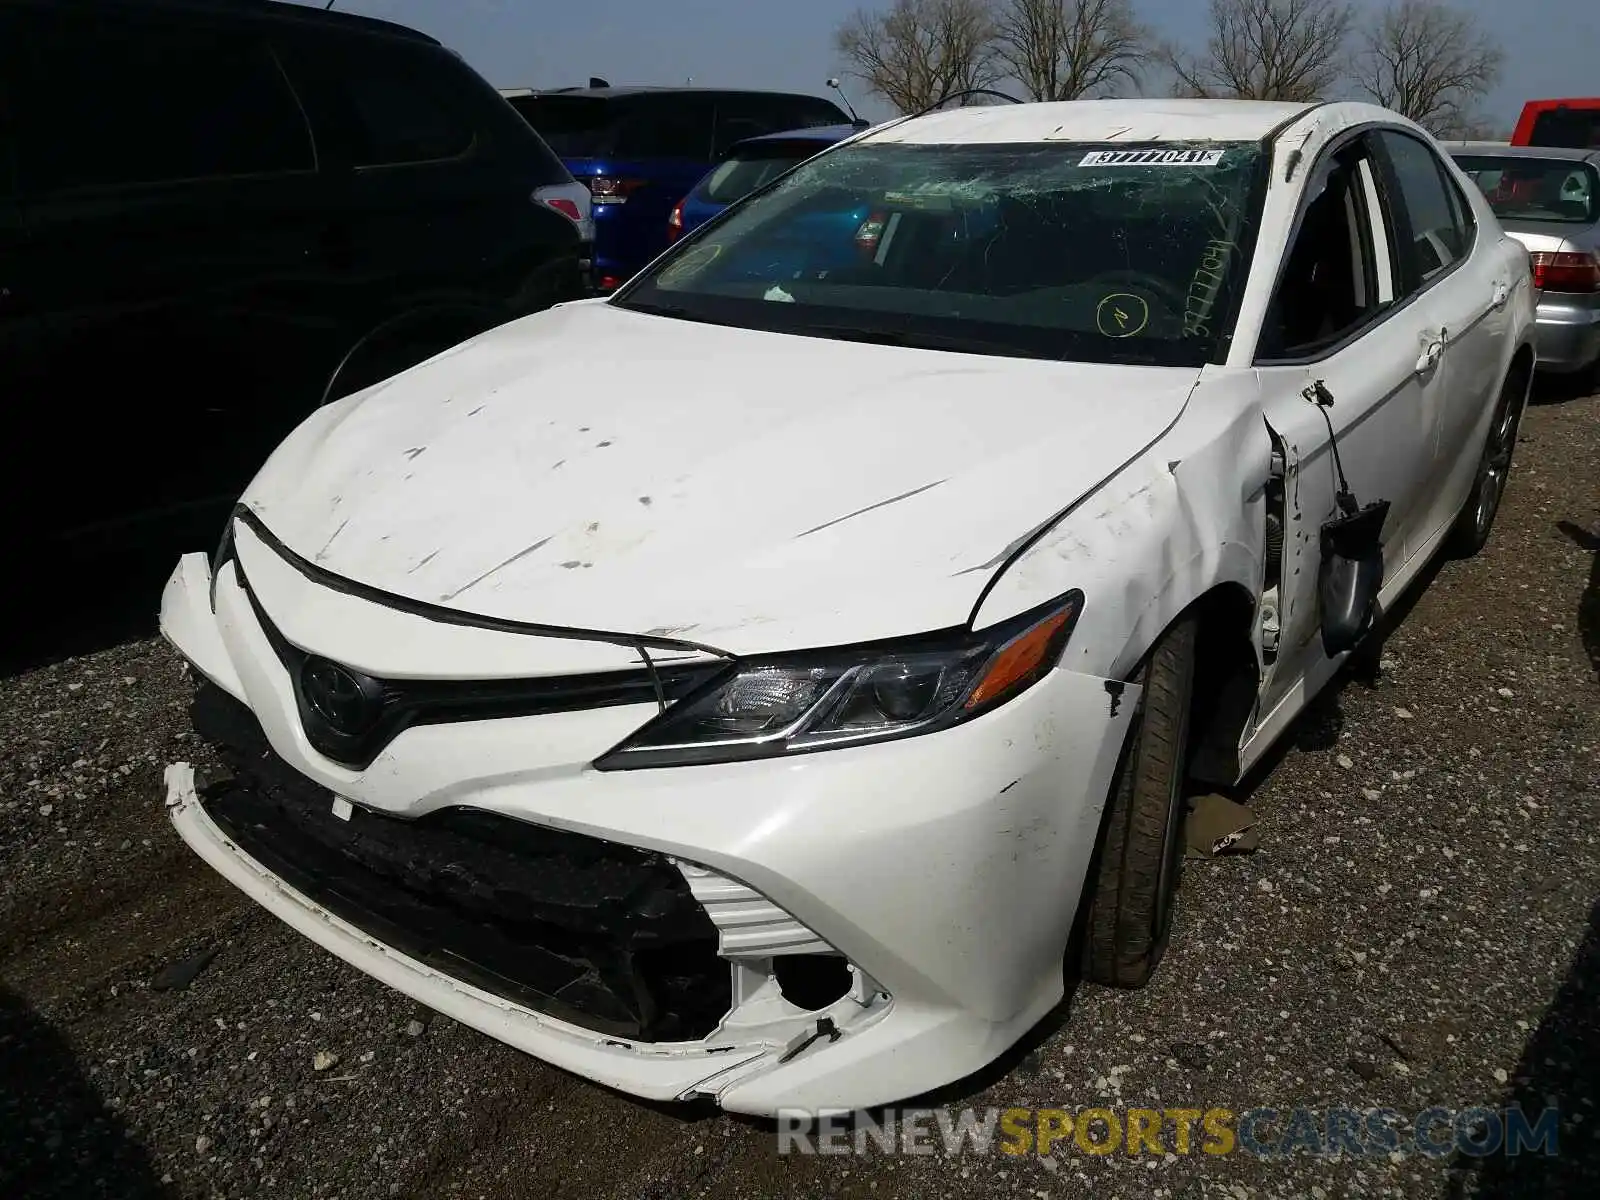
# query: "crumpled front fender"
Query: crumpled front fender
1186,517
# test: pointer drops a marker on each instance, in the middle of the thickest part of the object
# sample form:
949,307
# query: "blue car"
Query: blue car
640,150
825,241
751,164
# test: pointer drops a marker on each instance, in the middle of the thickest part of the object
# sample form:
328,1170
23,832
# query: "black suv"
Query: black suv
217,214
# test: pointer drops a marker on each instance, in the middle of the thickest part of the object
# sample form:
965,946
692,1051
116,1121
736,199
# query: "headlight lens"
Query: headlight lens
819,700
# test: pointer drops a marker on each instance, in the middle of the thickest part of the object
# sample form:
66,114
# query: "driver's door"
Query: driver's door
1337,328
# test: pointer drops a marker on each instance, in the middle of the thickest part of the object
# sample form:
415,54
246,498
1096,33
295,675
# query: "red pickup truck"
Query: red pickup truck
1574,123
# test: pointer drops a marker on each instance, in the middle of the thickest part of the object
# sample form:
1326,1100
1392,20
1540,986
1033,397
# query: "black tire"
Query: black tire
1135,878
1470,532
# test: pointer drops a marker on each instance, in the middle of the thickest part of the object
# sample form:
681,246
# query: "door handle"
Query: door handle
1502,293
1429,359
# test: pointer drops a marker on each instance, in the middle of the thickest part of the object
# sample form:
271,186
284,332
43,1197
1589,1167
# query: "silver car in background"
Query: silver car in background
1548,198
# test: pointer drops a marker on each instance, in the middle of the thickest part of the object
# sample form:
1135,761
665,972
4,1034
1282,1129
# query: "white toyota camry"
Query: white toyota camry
748,686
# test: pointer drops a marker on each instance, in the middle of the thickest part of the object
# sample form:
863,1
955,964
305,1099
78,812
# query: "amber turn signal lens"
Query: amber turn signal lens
1022,659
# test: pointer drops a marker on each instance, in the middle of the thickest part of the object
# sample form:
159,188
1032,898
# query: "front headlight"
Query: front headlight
828,698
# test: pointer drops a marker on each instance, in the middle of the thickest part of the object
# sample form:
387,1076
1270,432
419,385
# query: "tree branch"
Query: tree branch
1428,62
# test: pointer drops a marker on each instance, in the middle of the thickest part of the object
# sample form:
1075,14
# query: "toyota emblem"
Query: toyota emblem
348,703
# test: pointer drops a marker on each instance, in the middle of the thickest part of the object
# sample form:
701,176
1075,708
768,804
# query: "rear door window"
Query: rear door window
399,107
572,126
1575,128
114,103
665,127
1439,237
755,114
735,124
818,114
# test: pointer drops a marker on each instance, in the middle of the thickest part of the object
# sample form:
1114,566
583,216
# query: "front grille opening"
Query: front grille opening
811,981
601,935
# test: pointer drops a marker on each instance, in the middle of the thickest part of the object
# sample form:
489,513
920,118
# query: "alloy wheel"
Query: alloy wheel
1496,465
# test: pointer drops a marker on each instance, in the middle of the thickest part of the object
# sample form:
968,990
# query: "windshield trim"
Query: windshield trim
1213,350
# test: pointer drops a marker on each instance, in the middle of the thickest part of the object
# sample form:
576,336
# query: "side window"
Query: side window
1578,194
1460,208
107,104
740,117
402,111
814,114
1439,236
1577,128
666,127
1336,275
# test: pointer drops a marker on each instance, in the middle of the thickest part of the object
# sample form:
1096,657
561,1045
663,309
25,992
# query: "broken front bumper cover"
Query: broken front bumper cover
945,869
741,1073
606,936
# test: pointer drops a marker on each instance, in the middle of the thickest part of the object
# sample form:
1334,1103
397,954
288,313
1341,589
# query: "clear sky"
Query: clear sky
1552,46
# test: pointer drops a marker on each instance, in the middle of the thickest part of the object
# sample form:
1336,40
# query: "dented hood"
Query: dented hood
599,469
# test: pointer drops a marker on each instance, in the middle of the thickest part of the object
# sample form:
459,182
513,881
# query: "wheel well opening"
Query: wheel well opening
1522,365
1226,682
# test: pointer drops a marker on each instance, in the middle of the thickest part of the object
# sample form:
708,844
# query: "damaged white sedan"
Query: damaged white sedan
746,686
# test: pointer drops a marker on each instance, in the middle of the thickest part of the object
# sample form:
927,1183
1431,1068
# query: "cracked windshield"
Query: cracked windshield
1102,253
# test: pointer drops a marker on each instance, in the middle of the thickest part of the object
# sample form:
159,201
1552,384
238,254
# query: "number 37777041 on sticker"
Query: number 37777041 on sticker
1151,158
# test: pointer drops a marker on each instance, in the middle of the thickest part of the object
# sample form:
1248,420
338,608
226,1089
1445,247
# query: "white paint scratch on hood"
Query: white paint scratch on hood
600,469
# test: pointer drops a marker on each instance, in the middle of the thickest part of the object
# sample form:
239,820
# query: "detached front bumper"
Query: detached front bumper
945,870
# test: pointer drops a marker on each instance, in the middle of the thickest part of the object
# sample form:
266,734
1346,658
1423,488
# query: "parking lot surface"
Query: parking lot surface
1419,927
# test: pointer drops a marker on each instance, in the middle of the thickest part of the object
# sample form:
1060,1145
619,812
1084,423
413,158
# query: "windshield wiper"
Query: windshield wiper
922,341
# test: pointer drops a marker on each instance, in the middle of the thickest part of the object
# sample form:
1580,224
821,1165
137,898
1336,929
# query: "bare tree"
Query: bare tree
1266,50
921,52
1064,49
1430,62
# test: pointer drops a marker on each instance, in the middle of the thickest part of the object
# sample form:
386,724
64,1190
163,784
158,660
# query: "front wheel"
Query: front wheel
1135,882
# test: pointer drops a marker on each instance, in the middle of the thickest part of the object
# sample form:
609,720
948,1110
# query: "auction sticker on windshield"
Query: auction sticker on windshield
1151,158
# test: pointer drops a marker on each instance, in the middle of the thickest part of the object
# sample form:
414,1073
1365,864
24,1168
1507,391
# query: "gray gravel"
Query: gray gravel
1419,927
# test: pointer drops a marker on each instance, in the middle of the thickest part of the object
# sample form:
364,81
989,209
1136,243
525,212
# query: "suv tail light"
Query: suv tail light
1565,272
608,189
571,200
675,222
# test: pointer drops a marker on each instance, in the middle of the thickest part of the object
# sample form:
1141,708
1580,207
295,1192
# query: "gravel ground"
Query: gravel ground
1419,927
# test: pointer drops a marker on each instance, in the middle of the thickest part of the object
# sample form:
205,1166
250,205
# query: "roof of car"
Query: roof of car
1099,121
274,9
1501,149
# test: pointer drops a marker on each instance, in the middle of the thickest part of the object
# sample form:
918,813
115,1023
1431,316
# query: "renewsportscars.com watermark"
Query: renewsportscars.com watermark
1261,1132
